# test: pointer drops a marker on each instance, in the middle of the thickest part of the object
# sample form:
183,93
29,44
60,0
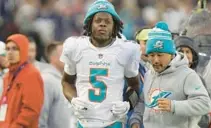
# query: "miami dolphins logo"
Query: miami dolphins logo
101,6
155,95
158,45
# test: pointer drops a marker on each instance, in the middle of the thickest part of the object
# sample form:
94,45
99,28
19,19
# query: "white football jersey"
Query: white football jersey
100,71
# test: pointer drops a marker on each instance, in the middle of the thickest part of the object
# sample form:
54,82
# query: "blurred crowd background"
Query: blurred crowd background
47,21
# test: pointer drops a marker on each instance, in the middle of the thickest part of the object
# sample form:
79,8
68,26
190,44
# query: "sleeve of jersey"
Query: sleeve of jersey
131,69
67,56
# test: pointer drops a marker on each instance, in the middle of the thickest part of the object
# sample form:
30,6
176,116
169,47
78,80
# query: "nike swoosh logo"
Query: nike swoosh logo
197,88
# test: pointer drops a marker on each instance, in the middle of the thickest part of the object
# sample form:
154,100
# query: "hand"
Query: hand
164,104
135,125
120,108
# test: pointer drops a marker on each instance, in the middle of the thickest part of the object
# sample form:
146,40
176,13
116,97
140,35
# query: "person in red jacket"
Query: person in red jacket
23,94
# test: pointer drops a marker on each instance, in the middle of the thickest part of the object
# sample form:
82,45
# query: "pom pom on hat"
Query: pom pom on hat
162,25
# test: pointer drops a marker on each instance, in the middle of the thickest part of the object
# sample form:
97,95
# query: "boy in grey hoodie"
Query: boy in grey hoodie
173,95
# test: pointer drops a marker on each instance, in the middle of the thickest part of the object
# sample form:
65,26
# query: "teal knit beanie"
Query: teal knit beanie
160,40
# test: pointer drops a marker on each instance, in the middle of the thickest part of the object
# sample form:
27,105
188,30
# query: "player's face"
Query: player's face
187,51
102,27
159,61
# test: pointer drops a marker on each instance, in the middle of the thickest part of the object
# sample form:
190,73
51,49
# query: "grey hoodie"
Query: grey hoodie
183,87
41,66
207,77
56,111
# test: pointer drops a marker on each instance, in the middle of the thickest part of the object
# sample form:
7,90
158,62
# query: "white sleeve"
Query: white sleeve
131,69
67,56
70,69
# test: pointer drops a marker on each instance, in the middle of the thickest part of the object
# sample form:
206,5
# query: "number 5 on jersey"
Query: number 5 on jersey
97,84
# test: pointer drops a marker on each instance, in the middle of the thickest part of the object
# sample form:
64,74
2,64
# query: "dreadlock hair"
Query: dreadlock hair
117,30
